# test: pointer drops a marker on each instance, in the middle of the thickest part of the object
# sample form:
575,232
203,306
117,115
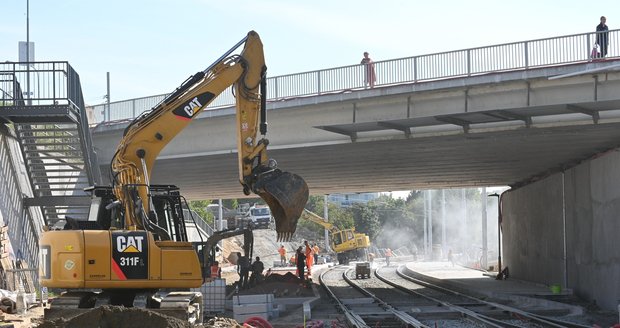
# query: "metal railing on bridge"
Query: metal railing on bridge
522,55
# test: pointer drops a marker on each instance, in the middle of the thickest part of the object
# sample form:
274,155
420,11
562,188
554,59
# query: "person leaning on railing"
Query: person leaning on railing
602,36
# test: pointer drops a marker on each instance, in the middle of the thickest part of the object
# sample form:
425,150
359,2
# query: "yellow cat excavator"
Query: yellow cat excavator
133,250
346,243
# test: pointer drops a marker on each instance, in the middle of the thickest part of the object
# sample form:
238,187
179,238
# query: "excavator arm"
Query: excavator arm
313,217
285,193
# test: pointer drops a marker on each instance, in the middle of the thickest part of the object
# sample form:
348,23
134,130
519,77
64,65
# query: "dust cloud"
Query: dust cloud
447,222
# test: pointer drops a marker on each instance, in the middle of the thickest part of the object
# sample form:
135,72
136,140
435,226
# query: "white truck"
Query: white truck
260,216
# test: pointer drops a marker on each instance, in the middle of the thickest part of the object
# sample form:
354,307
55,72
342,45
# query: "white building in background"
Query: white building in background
346,200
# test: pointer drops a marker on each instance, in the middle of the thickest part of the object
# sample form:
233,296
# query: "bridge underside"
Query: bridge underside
477,158
491,130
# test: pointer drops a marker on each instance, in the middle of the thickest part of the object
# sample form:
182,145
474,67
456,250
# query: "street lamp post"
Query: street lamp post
28,51
499,236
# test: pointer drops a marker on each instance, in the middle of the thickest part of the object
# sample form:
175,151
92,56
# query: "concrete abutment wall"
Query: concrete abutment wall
24,225
576,213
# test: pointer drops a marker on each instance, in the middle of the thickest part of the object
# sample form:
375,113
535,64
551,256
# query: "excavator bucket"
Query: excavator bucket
286,194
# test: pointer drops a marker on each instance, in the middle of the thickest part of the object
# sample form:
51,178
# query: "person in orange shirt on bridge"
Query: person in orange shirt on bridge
309,257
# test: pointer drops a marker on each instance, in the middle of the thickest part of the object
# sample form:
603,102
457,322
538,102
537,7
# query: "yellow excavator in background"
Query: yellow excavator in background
134,244
348,244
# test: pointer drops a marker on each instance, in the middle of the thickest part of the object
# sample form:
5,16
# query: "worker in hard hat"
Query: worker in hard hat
309,257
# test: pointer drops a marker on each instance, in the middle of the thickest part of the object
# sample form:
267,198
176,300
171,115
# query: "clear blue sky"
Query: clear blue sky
150,47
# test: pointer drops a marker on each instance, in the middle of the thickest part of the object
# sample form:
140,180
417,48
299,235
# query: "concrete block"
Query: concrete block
253,299
252,308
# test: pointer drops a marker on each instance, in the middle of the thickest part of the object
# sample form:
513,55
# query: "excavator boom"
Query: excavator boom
313,217
285,193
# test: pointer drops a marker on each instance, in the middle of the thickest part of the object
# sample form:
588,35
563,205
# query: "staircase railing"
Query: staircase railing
50,121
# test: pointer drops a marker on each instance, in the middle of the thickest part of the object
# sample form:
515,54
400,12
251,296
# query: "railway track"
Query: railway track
390,298
359,309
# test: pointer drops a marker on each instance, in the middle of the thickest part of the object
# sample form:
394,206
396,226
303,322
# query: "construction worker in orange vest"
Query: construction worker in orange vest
309,257
216,271
282,252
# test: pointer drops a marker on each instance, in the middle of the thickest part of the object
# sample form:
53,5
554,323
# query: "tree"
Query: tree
200,207
340,218
398,224
366,220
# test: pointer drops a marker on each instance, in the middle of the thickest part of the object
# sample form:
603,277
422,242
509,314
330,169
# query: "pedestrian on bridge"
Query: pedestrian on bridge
602,36
369,67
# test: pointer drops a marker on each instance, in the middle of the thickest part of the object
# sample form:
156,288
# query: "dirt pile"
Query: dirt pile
287,285
286,278
117,317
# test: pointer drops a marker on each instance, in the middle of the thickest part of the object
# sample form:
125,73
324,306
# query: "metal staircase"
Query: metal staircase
51,125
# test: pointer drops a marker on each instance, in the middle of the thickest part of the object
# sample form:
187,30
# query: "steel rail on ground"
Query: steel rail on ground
352,318
400,315
487,320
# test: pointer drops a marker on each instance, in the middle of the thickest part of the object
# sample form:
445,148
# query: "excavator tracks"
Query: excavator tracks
186,306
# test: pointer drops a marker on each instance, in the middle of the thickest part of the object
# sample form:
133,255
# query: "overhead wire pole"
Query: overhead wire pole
483,201
430,222
107,112
425,225
28,51
499,236
326,216
444,242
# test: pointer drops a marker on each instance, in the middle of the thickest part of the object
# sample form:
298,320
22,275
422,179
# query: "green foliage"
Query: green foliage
413,196
200,207
339,217
366,220
230,203
399,225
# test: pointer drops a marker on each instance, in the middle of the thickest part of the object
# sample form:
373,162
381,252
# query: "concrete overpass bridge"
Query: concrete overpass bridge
460,119
540,116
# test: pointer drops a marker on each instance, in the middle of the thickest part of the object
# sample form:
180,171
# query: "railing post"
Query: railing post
468,62
589,48
527,55
133,108
275,79
54,83
415,69
318,82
